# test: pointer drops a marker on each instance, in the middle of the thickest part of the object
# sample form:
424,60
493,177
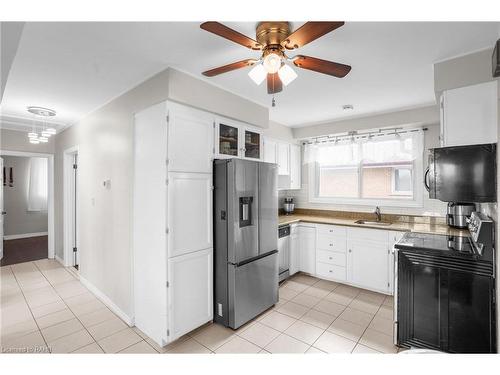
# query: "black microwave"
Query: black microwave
462,173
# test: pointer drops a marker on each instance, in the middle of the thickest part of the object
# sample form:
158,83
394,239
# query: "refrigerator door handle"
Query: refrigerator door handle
249,260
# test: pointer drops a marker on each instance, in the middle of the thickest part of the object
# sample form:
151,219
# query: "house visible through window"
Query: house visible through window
367,170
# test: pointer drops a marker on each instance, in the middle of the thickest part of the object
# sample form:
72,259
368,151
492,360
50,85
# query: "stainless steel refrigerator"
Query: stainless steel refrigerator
245,240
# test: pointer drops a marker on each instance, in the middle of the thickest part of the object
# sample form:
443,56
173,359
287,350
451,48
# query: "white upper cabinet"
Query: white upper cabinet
469,115
190,139
270,150
287,156
190,284
236,139
295,167
283,159
189,212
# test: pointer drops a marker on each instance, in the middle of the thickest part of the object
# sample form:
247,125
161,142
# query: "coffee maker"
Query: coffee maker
288,206
457,214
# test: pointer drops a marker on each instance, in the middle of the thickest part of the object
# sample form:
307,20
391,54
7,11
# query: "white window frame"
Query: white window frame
393,181
418,187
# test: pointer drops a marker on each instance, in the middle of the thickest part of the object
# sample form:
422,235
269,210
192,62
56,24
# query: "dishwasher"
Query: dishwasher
284,252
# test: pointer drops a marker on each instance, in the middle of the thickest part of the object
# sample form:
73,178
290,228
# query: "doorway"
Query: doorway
26,199
71,249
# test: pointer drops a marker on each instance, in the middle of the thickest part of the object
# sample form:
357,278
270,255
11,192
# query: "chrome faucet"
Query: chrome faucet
378,214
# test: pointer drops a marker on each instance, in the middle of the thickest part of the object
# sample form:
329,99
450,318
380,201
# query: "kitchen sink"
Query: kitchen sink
369,222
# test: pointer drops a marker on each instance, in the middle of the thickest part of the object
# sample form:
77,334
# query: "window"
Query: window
377,170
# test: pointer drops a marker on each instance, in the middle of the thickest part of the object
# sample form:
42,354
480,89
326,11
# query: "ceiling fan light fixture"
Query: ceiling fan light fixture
258,74
272,63
286,74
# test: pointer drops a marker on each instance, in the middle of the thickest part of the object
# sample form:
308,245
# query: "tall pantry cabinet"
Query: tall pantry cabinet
172,235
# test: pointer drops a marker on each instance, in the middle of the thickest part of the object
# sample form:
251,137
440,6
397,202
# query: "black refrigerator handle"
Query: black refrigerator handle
426,175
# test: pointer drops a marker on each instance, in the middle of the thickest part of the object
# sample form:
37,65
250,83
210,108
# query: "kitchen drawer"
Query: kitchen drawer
378,235
332,230
331,257
331,271
332,243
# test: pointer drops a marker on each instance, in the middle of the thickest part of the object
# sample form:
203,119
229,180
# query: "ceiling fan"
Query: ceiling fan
274,39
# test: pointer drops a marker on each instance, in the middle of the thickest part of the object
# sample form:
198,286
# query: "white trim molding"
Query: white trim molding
68,206
50,203
24,235
107,301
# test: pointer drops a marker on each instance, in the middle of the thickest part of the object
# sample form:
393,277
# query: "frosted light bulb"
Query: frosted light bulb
272,63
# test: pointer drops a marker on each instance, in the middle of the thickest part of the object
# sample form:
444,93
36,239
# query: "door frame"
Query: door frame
50,201
68,155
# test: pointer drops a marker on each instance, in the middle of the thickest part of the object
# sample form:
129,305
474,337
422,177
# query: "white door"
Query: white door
283,158
190,296
270,150
1,208
189,212
190,139
294,251
367,264
295,167
307,249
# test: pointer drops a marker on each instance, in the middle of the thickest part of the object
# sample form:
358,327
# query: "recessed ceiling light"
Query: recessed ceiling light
347,107
40,111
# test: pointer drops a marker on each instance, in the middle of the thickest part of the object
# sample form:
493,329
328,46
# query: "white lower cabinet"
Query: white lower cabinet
190,292
361,257
367,264
294,250
307,249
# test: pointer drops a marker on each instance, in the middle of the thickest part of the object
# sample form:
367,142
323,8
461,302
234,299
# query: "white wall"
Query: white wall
18,219
418,116
105,142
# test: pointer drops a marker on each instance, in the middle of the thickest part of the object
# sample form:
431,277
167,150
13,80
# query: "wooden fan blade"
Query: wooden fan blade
274,83
226,32
229,67
321,66
308,32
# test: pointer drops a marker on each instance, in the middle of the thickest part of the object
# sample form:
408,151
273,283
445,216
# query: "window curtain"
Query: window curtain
38,184
377,149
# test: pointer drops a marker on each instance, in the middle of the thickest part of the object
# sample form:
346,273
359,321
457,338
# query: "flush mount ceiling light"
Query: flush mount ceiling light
273,39
40,133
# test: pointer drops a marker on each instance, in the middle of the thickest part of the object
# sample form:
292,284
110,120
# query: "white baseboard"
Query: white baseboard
24,235
60,260
105,299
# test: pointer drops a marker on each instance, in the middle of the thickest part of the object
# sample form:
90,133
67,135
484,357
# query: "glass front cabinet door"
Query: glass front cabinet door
252,149
235,139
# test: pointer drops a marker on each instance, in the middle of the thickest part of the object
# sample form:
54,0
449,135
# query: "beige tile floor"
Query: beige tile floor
44,308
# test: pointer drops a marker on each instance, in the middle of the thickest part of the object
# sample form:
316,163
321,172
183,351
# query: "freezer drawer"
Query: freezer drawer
253,288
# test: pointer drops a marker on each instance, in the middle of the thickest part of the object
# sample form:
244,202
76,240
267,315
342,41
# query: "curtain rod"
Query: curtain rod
357,135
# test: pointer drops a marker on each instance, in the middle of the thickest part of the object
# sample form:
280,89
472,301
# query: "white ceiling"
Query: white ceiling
75,68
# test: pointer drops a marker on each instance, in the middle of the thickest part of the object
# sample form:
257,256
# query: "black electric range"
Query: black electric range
445,294
444,245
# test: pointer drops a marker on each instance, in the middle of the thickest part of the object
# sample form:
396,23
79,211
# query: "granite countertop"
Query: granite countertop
419,227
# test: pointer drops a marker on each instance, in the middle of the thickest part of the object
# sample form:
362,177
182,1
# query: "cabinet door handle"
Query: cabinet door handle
330,271
331,244
330,258
350,250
